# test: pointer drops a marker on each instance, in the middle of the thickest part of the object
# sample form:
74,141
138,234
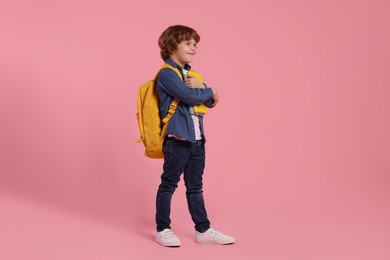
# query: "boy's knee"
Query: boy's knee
168,184
194,190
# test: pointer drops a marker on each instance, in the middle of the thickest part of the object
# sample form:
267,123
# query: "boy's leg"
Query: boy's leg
176,154
193,177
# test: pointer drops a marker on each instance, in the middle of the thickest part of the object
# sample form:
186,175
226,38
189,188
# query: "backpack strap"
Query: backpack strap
173,105
171,111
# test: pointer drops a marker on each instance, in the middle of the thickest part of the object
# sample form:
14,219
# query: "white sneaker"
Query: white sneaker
213,236
167,238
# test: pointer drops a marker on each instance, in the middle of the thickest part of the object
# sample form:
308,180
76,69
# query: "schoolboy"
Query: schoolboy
184,145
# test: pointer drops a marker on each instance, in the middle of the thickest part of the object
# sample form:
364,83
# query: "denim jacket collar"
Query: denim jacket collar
175,65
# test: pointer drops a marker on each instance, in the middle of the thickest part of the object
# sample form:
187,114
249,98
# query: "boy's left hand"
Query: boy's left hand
193,82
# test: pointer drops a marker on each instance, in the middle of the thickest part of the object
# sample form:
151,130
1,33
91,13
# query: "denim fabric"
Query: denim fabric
187,157
170,86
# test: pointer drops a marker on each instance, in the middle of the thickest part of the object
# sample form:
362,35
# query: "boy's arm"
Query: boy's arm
173,85
208,103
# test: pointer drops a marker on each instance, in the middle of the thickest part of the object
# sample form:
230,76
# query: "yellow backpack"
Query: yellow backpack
148,115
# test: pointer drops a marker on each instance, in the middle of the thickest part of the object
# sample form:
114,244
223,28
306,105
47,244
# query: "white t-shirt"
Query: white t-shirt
195,119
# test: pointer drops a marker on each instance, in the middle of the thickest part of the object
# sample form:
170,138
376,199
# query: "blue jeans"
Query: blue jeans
182,156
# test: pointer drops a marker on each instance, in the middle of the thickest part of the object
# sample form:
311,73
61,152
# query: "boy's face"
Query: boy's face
184,52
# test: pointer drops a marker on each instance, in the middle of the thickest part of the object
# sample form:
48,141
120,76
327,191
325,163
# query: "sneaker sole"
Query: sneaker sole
213,242
174,245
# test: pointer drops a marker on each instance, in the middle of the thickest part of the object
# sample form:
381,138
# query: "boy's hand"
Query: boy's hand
193,82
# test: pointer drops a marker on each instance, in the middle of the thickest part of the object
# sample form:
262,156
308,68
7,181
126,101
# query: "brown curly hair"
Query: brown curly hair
174,35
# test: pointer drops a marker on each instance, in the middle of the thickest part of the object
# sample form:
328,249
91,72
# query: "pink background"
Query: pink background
298,151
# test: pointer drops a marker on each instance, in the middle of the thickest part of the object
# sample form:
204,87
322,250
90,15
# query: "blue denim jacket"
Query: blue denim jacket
170,86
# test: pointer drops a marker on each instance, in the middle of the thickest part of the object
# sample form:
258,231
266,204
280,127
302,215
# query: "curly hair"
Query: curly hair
173,36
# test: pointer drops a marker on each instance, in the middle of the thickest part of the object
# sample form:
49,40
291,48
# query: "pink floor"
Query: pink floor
36,232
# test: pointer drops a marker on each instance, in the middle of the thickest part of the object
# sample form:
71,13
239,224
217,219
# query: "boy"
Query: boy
183,148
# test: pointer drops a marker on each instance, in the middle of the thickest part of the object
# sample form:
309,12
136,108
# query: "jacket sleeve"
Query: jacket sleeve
208,103
171,83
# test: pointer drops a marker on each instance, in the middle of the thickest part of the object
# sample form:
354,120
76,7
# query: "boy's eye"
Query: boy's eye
188,43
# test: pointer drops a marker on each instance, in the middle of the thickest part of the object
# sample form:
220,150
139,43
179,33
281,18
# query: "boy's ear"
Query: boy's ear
171,50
